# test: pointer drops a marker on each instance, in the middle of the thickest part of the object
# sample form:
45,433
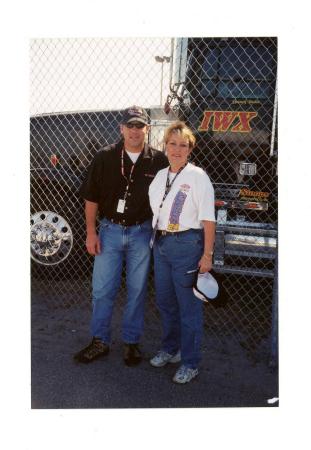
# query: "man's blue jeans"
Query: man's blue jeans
175,259
120,243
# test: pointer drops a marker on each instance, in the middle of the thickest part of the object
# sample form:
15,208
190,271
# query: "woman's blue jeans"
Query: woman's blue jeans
175,259
120,243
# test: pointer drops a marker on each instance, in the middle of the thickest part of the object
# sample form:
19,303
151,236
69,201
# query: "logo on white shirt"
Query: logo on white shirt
177,206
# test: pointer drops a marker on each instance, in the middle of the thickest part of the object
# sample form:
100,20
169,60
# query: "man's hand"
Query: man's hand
93,244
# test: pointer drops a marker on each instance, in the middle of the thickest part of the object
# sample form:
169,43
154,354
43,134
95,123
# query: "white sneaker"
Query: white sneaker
185,374
162,358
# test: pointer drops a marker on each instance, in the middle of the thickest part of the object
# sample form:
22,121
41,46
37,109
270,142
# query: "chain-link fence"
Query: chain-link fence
225,90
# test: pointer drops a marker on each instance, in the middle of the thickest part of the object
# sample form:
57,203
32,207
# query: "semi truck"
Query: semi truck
225,89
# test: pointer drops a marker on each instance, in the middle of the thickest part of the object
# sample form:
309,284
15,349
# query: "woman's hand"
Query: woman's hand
205,264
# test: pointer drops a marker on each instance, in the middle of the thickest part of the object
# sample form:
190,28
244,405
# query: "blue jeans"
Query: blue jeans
120,243
175,259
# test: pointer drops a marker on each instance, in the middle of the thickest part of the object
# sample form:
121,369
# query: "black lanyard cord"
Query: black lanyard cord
169,184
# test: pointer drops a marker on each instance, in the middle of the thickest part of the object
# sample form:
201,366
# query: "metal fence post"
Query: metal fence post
273,363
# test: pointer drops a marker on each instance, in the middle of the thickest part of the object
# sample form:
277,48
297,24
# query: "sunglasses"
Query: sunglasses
138,125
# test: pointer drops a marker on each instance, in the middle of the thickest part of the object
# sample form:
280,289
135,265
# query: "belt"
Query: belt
160,233
123,223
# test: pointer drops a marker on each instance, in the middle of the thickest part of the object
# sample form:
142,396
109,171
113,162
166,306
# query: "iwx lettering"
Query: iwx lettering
233,121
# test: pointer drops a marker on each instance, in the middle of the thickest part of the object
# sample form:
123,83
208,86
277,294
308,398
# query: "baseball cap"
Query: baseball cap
209,288
135,114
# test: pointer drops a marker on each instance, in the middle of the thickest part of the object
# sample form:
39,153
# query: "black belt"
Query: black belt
160,233
124,223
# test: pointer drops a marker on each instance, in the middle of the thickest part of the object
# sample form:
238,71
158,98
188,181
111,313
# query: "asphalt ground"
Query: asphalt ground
228,376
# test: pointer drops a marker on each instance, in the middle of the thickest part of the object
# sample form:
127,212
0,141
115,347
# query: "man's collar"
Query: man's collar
146,151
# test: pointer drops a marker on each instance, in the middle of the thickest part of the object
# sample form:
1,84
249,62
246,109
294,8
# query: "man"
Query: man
116,189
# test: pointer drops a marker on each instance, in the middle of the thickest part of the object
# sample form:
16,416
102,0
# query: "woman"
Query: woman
182,200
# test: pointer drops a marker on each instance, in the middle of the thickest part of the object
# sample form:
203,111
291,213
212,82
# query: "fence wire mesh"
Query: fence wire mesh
225,90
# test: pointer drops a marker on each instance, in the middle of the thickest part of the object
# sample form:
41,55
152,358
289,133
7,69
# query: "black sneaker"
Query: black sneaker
93,351
132,355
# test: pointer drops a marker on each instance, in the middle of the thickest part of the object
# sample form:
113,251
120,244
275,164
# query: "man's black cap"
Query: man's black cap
135,114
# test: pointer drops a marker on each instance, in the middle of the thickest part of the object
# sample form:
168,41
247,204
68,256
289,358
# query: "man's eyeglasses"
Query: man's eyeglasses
138,125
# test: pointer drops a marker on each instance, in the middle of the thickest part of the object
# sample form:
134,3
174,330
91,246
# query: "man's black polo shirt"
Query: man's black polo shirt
105,184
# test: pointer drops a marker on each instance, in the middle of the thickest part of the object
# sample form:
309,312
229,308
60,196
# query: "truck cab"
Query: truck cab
225,90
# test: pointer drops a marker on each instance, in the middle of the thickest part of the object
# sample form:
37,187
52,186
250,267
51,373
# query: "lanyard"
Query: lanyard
168,187
123,174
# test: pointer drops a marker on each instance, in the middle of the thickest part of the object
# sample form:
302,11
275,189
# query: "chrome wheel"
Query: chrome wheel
51,238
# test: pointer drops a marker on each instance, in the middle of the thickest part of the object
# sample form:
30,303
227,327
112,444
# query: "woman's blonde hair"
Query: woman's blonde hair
182,129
